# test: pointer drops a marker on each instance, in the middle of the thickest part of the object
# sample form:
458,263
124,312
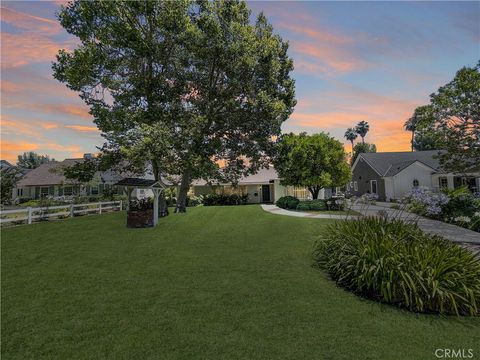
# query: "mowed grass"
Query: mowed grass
214,283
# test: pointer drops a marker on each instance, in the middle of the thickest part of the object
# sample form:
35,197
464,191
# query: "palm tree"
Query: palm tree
411,125
362,130
350,135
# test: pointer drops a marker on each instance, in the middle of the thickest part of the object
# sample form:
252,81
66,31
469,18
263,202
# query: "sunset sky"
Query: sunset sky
373,61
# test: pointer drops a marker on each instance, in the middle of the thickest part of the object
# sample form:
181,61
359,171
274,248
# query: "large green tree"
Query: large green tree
452,122
457,110
197,73
32,160
8,178
313,161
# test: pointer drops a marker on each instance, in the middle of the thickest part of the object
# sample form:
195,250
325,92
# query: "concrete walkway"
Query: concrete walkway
279,211
449,231
452,232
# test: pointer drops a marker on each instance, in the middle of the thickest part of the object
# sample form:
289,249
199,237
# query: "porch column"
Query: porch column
321,194
477,184
450,183
156,193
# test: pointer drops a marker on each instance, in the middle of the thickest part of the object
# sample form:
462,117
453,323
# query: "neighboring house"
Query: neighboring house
4,164
47,180
262,187
391,175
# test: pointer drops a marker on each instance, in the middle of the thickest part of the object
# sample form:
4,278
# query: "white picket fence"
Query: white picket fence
31,214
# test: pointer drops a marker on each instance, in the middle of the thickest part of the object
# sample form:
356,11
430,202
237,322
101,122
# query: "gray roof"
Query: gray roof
5,164
50,174
391,163
262,176
47,174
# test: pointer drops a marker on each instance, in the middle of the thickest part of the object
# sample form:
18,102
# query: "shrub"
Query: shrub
336,204
288,202
303,206
194,200
396,263
222,199
141,205
462,203
318,205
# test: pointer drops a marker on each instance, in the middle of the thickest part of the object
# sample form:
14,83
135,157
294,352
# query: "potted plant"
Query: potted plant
140,213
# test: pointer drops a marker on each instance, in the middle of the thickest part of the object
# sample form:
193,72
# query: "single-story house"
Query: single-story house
47,180
262,187
391,175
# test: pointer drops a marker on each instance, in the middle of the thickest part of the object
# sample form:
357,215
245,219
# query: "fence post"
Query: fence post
100,208
120,206
71,210
29,221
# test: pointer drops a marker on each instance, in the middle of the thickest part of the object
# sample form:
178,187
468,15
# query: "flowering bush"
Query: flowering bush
141,205
457,206
368,199
425,202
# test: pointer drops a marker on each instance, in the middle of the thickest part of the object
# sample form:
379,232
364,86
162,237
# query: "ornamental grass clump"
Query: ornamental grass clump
394,262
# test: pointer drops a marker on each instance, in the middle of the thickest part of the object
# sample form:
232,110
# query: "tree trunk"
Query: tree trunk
314,190
352,148
182,193
413,136
162,203
363,140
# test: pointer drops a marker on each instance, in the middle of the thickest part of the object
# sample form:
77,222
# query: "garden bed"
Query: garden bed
459,207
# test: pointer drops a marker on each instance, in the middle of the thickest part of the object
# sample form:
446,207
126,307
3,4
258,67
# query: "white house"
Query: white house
391,175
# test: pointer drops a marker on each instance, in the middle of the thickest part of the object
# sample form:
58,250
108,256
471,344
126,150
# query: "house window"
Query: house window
355,186
373,186
443,182
415,183
348,187
68,191
94,190
44,191
300,192
19,192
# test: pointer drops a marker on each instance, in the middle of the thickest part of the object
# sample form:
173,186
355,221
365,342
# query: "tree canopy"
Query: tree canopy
452,122
363,148
32,160
185,83
362,129
313,161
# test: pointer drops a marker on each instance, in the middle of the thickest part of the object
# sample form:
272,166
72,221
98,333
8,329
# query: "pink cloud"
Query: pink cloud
30,22
77,110
22,49
326,58
315,34
34,43
83,128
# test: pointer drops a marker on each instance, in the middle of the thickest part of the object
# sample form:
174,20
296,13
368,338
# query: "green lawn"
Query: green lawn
215,283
